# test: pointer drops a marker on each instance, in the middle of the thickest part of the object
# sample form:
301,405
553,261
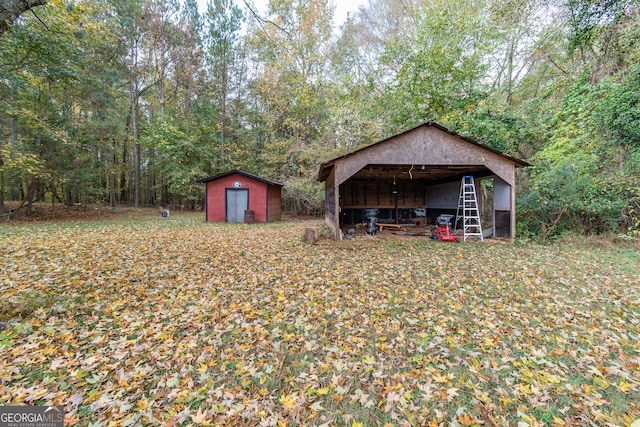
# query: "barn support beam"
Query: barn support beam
331,204
513,211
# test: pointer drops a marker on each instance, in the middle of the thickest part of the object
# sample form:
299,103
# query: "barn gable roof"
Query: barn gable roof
325,168
247,174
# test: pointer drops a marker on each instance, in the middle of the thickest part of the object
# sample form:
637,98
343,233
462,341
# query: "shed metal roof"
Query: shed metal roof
247,174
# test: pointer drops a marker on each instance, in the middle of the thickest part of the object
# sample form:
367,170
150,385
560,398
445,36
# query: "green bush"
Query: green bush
564,198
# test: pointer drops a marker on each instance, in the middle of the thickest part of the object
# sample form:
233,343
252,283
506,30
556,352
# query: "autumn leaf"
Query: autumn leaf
200,417
288,401
316,406
157,323
466,420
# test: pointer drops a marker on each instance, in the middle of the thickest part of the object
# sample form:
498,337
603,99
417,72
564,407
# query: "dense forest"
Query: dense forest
130,102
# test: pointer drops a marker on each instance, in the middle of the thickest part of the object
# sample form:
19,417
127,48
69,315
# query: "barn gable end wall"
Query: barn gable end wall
425,145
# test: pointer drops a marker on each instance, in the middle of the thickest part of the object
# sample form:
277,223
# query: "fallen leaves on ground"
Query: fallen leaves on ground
179,322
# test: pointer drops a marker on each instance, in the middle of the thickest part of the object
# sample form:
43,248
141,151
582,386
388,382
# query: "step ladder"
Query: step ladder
468,212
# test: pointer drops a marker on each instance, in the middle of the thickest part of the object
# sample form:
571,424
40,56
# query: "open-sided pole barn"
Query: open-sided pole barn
417,172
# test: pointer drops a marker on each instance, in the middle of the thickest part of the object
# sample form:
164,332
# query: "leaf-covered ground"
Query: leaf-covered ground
179,322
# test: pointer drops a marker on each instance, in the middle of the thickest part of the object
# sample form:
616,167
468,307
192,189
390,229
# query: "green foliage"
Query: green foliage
618,110
292,87
571,196
439,66
573,187
46,84
491,123
84,86
16,162
181,161
589,19
633,165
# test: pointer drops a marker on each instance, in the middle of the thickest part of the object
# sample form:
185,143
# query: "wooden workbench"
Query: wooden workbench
394,226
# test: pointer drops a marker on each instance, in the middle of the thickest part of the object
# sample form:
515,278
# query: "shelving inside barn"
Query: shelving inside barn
397,201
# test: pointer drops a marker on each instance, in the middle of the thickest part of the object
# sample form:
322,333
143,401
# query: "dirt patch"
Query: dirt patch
409,232
402,233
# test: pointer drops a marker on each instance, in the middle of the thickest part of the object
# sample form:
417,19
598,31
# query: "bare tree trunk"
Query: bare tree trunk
124,195
510,72
1,188
187,100
136,171
111,177
133,101
112,190
223,106
31,195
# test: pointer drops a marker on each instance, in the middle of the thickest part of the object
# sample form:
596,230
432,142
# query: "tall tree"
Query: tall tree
598,32
134,19
42,72
292,49
224,20
517,26
439,68
190,56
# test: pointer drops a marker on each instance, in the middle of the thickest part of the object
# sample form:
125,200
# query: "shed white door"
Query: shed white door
237,202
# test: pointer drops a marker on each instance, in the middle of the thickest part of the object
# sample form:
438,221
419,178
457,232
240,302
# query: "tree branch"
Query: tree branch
38,18
265,21
10,10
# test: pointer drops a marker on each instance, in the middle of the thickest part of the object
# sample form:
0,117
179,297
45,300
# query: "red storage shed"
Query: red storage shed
238,196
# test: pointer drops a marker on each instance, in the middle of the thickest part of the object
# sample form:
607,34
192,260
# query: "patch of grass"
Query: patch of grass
24,305
251,325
